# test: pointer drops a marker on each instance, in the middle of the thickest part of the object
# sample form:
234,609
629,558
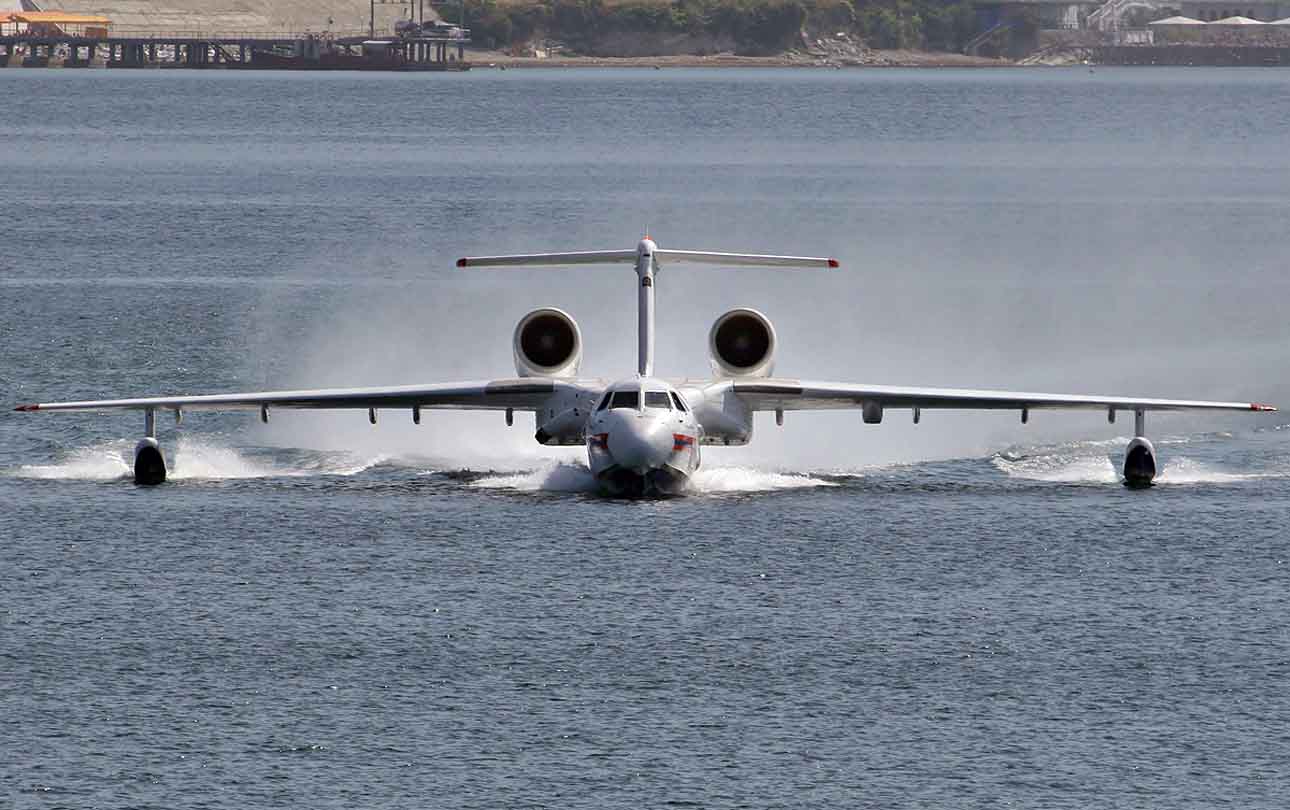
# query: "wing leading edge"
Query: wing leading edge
521,394
785,394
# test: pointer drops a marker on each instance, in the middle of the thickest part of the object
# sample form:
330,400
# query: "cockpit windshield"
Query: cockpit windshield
657,399
626,399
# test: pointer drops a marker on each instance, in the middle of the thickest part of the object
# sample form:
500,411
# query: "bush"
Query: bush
948,28
882,28
829,16
939,26
756,26
775,26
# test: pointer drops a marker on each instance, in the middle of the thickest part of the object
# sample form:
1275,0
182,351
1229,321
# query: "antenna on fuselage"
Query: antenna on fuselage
645,258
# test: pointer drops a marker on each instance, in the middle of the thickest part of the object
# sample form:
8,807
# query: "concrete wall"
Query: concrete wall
1272,36
1192,55
1218,9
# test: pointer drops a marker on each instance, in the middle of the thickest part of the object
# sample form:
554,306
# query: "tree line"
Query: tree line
755,26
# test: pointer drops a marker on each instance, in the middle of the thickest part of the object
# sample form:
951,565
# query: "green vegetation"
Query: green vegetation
754,26
923,24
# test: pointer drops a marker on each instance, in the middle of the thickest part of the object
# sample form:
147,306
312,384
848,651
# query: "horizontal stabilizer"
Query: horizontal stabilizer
648,249
526,259
743,259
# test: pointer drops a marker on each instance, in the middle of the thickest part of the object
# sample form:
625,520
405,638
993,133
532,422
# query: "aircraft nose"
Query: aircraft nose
640,444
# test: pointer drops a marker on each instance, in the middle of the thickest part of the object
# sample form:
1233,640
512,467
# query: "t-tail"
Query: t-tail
648,258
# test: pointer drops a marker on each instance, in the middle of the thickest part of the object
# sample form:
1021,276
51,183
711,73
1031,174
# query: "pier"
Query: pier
81,41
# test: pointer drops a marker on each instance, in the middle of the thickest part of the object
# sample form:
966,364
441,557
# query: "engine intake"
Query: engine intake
742,344
1139,463
547,343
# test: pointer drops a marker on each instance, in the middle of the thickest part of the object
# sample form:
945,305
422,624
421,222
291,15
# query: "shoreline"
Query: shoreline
825,59
871,59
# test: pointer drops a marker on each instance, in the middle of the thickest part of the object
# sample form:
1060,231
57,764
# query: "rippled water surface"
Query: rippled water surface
966,613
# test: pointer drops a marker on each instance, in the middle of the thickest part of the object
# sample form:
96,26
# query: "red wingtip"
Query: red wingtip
461,262
27,408
1259,406
834,263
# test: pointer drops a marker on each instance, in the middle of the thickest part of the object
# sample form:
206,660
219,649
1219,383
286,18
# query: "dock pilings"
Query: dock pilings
305,52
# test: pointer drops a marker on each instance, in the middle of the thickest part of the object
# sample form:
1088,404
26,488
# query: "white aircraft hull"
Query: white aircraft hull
643,451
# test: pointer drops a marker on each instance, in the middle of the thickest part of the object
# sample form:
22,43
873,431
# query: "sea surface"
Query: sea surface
317,612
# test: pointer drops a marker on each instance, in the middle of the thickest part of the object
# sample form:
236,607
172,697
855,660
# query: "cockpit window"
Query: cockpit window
627,399
604,401
676,400
657,399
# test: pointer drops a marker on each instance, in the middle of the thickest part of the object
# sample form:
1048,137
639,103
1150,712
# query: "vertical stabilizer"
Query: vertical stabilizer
645,268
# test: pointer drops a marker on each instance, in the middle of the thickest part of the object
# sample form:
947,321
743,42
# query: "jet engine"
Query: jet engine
742,344
547,343
1139,463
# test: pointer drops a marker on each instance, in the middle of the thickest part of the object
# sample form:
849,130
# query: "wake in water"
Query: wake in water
103,462
556,477
1098,462
1082,462
712,480
192,459
1191,471
1074,463
566,477
197,459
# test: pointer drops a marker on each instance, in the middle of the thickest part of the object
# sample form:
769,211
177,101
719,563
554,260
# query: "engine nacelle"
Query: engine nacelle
547,343
149,463
1139,463
742,344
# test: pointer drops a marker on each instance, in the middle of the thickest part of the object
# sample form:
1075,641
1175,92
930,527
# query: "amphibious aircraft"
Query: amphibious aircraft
643,433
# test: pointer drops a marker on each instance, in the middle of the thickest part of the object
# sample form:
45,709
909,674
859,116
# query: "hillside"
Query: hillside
749,27
840,30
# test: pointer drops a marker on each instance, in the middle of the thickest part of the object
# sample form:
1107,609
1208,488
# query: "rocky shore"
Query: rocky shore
805,59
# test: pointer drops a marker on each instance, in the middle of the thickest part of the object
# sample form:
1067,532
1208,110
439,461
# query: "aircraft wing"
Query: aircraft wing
521,394
783,394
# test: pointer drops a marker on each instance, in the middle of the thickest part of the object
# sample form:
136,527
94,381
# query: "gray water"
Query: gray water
966,613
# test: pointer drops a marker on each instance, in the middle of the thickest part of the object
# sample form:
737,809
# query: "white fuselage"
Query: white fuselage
642,438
